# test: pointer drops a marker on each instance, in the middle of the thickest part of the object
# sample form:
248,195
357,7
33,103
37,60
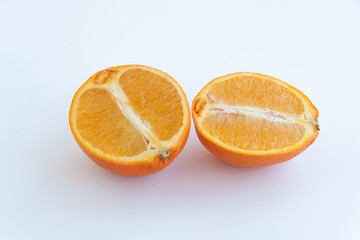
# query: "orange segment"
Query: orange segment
132,120
251,133
155,99
101,123
253,120
256,91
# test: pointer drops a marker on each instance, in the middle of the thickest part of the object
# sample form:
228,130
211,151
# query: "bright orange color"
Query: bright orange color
132,120
254,120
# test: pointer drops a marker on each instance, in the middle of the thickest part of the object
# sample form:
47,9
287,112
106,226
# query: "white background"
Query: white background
51,190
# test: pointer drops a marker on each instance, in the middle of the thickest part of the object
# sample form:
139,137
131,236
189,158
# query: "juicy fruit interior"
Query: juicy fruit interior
154,99
254,91
101,123
269,124
249,133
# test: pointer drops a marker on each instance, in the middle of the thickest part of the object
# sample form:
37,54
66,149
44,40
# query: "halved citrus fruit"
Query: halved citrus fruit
254,120
132,120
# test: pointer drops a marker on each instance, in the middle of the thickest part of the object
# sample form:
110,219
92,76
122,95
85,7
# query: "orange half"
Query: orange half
254,120
132,120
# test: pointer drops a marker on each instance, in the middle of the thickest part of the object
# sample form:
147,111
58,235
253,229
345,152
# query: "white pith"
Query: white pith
256,113
140,124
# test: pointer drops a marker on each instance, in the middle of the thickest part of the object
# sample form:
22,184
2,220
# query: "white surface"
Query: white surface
51,190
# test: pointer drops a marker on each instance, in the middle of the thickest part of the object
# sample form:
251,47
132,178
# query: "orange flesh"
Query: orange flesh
101,123
254,91
155,100
252,131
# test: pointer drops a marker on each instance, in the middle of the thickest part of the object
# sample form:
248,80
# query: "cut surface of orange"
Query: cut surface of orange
254,120
132,120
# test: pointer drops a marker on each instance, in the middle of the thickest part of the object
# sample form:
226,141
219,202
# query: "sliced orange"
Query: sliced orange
132,120
254,120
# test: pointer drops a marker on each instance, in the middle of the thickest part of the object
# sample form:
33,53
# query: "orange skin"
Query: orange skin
246,160
241,159
140,169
